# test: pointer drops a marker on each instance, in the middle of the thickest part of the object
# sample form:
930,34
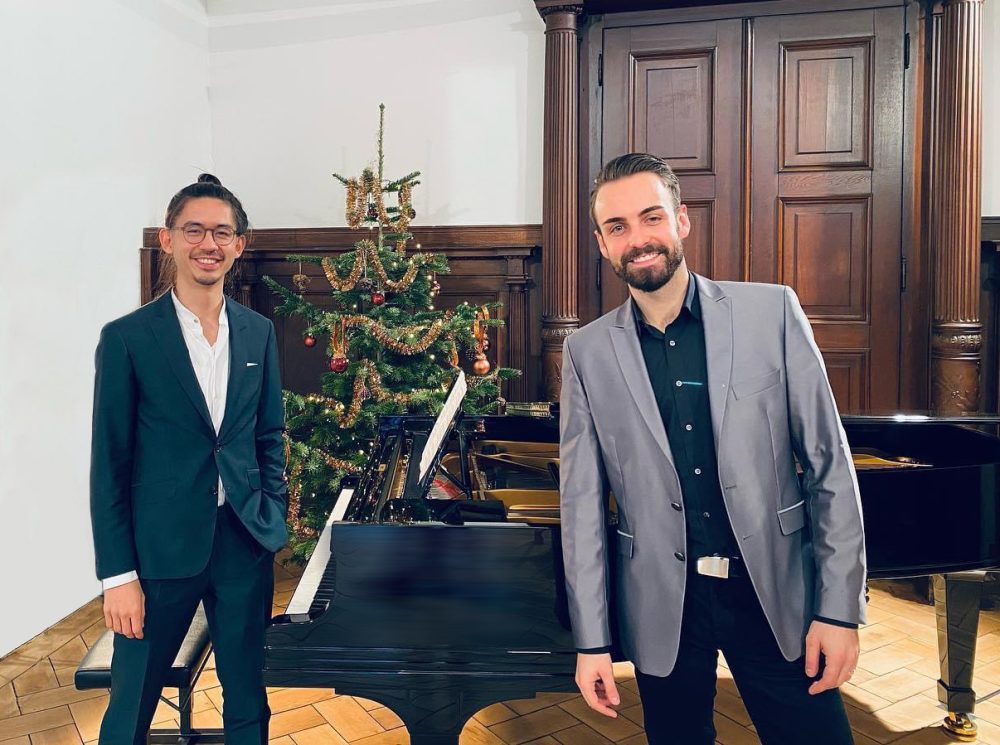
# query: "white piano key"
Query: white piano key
305,591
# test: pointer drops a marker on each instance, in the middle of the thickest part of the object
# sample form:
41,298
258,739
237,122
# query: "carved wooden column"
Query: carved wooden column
559,191
956,340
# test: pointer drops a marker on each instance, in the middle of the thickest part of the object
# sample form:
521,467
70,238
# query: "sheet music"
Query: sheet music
441,425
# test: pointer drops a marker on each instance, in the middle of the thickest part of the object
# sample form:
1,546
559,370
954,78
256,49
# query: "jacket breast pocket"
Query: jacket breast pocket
792,519
753,386
253,477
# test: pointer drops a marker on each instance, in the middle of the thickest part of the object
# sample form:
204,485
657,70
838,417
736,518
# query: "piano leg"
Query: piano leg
956,604
436,712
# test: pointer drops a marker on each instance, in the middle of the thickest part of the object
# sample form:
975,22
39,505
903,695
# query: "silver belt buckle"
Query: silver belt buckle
714,566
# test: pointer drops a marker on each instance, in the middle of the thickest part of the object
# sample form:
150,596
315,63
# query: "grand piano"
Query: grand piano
437,585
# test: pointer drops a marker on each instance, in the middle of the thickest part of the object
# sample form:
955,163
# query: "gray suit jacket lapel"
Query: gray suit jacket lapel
717,317
167,332
633,367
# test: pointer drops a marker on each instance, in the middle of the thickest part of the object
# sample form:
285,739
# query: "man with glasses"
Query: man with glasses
188,494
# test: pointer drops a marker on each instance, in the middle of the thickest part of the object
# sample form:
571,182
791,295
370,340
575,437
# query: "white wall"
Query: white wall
991,108
105,117
296,88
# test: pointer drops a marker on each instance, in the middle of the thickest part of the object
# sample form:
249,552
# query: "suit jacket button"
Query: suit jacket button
218,448
676,506
679,556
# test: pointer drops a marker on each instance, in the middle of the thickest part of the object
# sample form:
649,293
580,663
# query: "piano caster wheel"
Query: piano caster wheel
960,726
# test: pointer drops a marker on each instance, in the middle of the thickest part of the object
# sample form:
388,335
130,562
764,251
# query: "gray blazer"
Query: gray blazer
802,542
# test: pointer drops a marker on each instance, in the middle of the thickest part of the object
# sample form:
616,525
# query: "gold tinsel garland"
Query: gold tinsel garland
382,335
359,191
366,374
367,250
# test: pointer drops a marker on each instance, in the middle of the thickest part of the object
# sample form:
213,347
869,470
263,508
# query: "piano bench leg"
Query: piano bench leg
186,734
957,600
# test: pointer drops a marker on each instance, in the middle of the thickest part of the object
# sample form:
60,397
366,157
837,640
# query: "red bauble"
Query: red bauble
481,366
338,364
309,341
378,298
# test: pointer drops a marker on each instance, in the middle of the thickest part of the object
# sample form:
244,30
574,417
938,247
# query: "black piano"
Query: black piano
437,585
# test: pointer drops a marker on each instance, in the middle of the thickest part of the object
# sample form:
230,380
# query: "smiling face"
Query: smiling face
202,261
640,232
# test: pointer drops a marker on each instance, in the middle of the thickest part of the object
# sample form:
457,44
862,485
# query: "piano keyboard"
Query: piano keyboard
315,589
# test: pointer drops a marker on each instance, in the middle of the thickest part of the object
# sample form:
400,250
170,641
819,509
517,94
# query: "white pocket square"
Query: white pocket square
252,364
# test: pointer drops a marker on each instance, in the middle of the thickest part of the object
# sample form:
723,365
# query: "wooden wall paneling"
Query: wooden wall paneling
676,91
492,264
559,186
591,97
990,313
957,330
915,308
825,194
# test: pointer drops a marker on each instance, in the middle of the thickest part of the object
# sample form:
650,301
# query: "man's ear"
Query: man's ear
165,242
600,244
683,222
241,244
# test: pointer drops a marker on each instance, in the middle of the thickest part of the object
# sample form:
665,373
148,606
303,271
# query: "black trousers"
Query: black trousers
724,614
236,588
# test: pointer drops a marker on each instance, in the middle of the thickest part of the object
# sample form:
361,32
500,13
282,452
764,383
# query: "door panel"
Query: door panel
794,176
826,174
675,91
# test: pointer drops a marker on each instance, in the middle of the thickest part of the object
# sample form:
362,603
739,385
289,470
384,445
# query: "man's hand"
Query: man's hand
840,648
125,609
595,678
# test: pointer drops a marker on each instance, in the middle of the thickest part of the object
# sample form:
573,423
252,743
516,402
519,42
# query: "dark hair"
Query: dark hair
629,165
208,186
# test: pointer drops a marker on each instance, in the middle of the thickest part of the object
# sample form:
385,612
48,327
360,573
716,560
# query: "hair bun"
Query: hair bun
208,178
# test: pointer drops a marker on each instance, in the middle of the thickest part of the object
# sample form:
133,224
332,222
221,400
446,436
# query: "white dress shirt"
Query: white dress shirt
211,368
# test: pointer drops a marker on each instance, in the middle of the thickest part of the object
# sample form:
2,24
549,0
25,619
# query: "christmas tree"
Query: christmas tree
391,351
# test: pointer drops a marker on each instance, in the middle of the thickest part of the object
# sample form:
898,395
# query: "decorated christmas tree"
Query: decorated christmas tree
390,350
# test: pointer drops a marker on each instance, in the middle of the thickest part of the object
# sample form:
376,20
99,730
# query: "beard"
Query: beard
653,277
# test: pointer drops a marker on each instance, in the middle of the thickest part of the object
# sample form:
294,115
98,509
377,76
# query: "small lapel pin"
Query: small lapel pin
251,364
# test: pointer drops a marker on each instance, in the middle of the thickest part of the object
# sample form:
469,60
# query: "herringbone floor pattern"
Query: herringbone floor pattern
891,699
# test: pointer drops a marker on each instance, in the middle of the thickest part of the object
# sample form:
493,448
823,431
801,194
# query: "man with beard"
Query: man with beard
692,402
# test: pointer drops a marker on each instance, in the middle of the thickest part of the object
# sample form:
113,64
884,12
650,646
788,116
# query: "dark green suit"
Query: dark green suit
155,467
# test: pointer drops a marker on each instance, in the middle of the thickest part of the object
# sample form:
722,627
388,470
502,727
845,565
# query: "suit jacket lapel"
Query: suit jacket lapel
238,358
633,367
717,317
167,332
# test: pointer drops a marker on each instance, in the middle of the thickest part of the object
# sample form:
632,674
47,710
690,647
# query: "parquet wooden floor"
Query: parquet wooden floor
891,698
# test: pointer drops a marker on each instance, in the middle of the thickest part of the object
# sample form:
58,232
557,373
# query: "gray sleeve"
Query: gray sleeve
582,493
829,479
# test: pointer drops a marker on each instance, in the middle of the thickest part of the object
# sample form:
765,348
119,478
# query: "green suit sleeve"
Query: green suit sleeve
111,449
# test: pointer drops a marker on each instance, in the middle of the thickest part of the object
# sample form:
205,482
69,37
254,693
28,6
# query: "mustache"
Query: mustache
635,253
220,256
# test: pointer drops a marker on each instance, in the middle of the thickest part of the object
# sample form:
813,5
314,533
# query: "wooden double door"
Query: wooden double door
787,135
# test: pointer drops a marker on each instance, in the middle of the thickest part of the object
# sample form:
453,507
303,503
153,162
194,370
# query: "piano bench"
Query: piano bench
95,672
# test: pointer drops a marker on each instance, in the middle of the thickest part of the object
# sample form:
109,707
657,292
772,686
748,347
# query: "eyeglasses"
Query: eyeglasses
194,233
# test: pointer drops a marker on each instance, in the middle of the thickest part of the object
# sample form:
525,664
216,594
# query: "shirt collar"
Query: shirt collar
692,304
187,316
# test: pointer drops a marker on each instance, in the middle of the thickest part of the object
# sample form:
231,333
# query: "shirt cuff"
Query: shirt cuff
834,622
119,579
595,650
